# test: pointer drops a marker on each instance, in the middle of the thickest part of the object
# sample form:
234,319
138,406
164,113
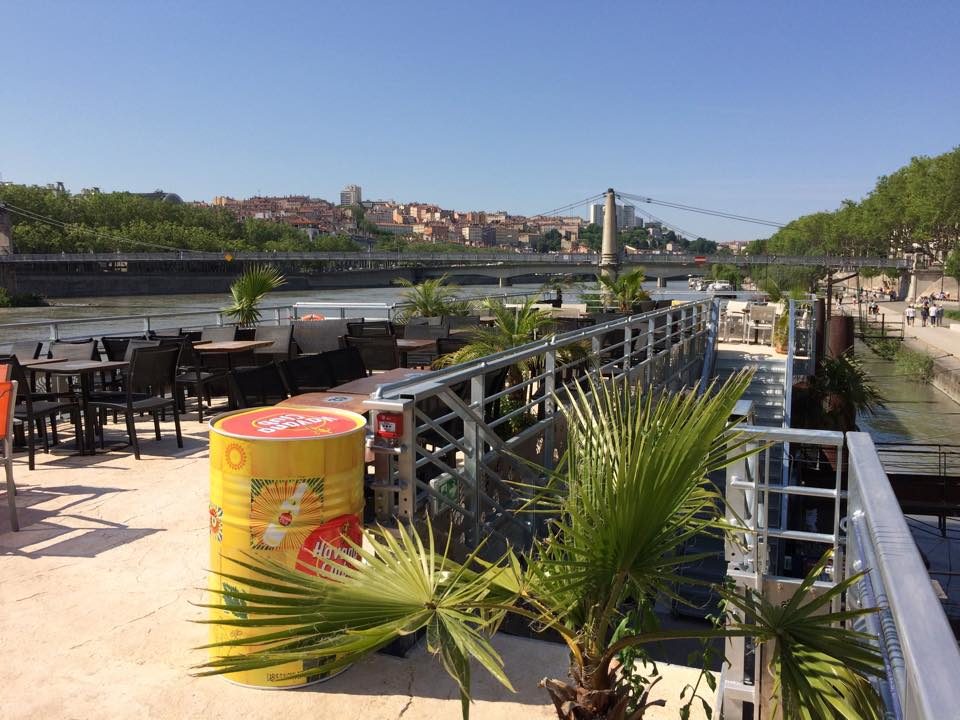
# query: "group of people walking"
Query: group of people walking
928,311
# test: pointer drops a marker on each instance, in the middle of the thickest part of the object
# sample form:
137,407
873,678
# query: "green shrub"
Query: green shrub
20,299
952,314
914,365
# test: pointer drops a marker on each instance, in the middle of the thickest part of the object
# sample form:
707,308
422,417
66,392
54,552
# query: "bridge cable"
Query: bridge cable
703,211
555,212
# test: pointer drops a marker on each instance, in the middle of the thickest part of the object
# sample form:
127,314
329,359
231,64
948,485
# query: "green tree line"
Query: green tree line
106,222
919,203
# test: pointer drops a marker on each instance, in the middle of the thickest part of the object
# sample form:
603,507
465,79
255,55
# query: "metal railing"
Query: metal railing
920,651
651,258
71,328
466,428
865,527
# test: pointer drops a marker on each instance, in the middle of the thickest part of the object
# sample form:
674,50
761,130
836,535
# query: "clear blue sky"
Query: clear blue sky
762,108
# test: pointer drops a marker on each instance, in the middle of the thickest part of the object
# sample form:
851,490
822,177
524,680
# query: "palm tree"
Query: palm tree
248,292
631,489
431,298
626,291
511,327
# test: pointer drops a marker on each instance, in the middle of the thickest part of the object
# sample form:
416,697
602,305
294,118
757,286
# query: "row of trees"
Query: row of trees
639,238
105,222
919,203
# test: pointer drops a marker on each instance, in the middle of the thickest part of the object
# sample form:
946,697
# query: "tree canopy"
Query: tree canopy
919,203
106,222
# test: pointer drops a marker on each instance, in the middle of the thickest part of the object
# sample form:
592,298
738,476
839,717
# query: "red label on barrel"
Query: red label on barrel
319,550
290,423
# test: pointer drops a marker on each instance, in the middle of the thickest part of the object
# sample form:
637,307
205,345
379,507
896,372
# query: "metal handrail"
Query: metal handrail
476,257
916,638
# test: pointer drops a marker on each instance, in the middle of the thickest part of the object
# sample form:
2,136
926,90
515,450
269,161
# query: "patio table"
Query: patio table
85,370
408,345
344,401
229,348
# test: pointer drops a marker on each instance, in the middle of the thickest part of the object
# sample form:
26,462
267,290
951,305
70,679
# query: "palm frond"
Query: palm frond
390,587
248,292
821,667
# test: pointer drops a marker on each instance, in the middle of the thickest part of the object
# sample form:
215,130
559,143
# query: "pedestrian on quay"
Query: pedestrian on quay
924,314
910,314
934,315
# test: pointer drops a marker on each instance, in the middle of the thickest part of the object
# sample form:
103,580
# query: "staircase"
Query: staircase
766,390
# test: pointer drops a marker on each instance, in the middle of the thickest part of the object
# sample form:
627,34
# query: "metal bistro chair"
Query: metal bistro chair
226,333
346,364
378,353
74,350
26,349
152,372
261,385
282,348
308,373
34,409
8,402
371,328
424,358
194,375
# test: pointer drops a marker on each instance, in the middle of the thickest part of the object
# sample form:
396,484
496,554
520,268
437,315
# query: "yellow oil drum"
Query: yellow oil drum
286,484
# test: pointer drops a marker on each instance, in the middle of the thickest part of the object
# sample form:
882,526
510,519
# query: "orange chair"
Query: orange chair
8,401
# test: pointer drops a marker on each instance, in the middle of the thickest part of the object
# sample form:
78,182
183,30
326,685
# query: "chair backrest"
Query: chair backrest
447,345
16,372
456,322
280,335
261,385
308,373
74,350
762,313
346,364
26,349
370,328
317,336
425,332
183,345
378,353
153,369
8,403
115,347
218,334
134,345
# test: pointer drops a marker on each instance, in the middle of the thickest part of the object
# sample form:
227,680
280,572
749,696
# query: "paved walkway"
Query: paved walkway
95,609
941,342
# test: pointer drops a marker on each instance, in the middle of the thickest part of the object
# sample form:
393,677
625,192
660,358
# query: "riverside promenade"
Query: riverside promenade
96,594
942,343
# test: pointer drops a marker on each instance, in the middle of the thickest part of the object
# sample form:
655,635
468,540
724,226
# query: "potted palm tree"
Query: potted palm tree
630,490
626,292
430,298
248,292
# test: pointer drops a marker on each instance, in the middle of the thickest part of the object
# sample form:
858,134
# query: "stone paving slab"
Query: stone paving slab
95,596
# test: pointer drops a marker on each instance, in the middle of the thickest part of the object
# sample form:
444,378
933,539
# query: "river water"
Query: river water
103,307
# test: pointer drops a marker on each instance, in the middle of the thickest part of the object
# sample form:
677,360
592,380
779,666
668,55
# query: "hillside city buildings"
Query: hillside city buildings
429,223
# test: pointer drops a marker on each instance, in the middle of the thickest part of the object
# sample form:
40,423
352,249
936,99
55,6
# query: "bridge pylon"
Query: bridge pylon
609,249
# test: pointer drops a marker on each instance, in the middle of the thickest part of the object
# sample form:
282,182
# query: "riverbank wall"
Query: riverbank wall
946,366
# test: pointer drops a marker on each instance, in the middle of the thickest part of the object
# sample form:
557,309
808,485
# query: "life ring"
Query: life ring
313,316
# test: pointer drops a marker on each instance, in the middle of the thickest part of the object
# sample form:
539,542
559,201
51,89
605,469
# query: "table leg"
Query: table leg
90,438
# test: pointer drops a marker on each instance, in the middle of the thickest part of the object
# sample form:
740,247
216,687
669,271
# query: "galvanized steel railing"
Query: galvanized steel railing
466,428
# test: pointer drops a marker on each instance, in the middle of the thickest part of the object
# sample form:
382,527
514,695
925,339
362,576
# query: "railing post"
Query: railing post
407,466
146,325
473,442
549,407
54,331
651,349
276,315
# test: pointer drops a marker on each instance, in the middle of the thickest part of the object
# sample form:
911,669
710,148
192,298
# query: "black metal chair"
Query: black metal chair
346,364
378,353
226,333
152,372
74,350
193,375
371,328
447,345
282,348
423,358
461,323
26,349
308,373
261,385
34,409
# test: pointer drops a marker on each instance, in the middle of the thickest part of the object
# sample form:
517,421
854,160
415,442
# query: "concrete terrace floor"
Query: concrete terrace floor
95,603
